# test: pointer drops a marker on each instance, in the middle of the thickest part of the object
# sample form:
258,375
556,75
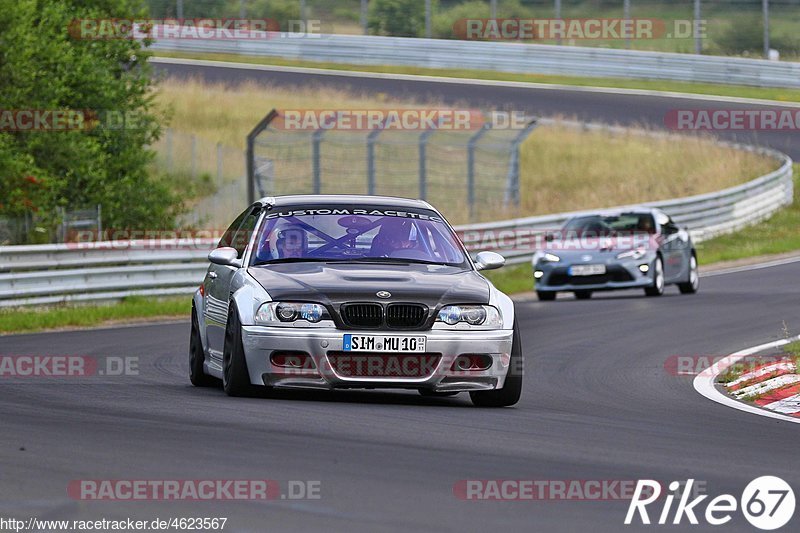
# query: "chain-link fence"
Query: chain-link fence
471,175
214,172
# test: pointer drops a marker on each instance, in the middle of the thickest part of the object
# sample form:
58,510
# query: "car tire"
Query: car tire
428,393
235,377
583,295
693,283
657,287
512,389
197,374
546,296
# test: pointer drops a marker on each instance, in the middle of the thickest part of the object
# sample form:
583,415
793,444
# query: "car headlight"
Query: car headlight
636,253
474,315
546,257
272,313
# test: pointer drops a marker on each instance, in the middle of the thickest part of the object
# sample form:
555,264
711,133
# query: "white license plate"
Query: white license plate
382,343
587,270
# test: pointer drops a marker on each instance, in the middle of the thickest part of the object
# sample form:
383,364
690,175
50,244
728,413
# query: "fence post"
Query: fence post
316,140
371,138
423,163
169,149
512,178
471,169
219,164
194,156
249,154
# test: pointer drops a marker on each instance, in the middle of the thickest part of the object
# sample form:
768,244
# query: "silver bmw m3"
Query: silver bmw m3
336,292
637,248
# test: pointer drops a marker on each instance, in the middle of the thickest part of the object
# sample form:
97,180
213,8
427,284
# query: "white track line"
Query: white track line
747,268
704,383
470,81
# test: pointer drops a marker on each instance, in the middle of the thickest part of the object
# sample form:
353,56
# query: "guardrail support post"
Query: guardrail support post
471,169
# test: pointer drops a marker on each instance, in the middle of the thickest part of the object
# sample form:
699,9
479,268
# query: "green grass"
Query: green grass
778,234
513,278
793,349
779,94
79,316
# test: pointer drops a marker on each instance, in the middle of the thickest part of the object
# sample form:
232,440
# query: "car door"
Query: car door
673,248
218,281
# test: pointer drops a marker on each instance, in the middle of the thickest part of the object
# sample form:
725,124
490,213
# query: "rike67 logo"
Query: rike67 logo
767,503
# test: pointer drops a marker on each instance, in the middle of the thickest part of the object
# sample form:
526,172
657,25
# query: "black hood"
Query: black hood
332,284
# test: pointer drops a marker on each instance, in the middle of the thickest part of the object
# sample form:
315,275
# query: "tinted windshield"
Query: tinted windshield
356,234
609,225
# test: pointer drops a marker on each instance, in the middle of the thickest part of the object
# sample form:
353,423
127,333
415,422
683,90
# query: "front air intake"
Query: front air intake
362,315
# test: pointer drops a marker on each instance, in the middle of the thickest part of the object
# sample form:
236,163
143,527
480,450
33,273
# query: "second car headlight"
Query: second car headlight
272,313
546,257
637,253
474,315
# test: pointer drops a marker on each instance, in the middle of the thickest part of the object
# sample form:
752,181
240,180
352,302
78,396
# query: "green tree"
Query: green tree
44,66
399,18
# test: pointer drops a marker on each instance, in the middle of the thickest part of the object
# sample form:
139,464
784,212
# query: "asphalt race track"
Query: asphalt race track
598,404
607,107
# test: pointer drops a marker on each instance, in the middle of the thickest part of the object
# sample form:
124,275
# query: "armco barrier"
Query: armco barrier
54,273
503,57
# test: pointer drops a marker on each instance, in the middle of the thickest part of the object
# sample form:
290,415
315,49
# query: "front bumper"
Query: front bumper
620,274
319,344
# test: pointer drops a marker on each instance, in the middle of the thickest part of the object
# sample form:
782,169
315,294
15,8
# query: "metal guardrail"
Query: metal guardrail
55,273
503,57
75,272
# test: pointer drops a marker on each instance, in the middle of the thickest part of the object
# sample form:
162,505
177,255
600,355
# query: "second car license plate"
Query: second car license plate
382,343
587,270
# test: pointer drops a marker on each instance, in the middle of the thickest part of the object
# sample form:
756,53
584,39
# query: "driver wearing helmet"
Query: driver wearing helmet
292,243
395,234
645,224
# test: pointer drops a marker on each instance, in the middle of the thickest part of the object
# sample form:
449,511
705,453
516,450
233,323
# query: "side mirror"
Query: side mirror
225,256
489,261
549,237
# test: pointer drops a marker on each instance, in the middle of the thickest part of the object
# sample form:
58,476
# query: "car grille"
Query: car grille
362,315
406,315
615,273
384,365
394,316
